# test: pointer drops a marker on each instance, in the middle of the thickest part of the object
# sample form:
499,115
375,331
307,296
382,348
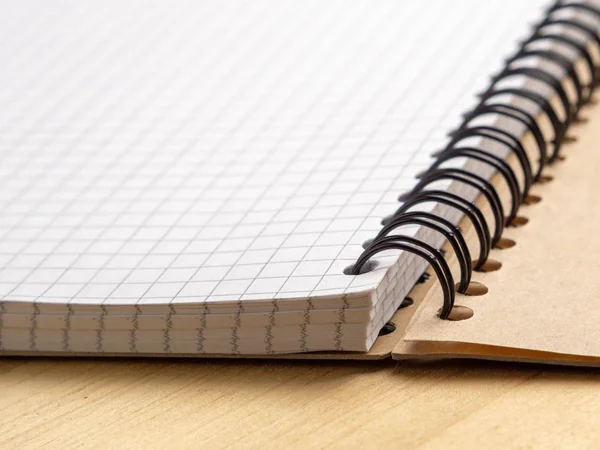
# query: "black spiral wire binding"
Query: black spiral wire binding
518,114
568,41
474,181
542,102
519,184
494,161
442,225
469,209
558,59
576,5
501,137
546,78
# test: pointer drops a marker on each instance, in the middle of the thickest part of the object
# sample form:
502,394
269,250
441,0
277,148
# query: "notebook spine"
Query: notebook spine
491,102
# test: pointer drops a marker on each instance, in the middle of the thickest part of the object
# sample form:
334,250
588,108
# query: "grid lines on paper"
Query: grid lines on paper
221,152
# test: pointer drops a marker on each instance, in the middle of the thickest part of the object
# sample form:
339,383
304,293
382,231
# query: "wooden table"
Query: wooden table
142,403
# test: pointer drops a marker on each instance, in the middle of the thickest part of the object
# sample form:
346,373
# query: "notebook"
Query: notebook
208,178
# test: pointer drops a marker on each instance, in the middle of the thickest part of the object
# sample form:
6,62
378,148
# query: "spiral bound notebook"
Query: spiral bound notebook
270,178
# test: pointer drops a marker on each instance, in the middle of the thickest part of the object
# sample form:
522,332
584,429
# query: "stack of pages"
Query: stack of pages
201,177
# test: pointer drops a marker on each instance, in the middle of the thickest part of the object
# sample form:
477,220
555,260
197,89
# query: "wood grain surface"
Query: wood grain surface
142,403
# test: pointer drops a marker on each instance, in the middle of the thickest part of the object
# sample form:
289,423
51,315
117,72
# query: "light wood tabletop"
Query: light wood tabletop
144,403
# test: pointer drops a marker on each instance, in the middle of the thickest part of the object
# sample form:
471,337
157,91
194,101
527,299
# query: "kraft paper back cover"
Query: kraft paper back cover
543,304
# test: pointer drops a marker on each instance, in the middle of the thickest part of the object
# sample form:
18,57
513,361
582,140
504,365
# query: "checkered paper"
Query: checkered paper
160,158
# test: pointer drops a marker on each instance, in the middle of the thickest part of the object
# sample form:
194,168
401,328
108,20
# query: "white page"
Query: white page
166,153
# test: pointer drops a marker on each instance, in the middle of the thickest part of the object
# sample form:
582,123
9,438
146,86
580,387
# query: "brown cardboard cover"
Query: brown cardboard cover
544,303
